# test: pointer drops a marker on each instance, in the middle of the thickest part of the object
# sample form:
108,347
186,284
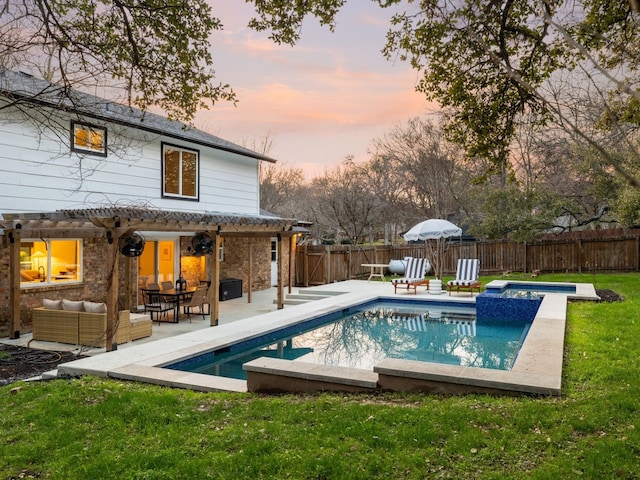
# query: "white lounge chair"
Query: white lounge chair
413,275
466,276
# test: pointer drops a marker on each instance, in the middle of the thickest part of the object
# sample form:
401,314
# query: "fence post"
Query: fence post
327,252
579,247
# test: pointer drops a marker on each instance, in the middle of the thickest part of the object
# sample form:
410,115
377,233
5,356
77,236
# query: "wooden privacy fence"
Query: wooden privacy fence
319,265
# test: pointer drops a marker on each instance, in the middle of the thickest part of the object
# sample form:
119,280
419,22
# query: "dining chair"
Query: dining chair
155,303
166,285
198,299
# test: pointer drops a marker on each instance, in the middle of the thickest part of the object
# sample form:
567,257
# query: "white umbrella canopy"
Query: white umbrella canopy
432,230
436,230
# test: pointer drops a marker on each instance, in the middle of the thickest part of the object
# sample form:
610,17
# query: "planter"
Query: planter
435,287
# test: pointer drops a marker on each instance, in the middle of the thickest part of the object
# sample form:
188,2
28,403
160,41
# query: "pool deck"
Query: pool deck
537,370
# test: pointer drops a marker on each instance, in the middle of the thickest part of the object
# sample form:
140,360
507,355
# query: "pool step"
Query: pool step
323,293
307,296
304,296
288,301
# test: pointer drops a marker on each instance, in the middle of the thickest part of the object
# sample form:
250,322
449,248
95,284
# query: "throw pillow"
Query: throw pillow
52,304
93,307
72,305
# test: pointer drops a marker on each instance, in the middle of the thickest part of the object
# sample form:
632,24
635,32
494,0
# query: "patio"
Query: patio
230,311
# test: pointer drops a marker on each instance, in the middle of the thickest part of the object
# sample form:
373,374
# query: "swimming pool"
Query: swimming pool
364,335
537,368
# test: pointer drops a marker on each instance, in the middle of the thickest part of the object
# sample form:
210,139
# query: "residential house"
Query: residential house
80,174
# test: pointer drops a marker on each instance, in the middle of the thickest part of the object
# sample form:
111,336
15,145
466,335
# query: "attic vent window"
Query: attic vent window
89,139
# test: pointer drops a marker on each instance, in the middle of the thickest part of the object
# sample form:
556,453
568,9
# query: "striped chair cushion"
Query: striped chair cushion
464,283
467,272
415,271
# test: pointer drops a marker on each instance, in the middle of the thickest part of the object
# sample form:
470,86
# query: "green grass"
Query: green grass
96,428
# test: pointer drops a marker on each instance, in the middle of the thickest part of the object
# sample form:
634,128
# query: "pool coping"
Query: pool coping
584,291
538,368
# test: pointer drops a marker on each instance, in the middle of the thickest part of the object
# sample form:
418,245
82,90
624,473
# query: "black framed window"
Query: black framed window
180,172
88,139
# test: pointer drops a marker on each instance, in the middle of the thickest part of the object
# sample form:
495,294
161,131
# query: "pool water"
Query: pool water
529,290
361,337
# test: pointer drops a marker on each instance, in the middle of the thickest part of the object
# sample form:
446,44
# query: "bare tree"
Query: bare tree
430,174
280,189
345,203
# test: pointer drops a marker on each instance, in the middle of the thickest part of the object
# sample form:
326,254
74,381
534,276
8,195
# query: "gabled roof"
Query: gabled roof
19,86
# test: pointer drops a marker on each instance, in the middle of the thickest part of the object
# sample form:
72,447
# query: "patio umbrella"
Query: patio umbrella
433,232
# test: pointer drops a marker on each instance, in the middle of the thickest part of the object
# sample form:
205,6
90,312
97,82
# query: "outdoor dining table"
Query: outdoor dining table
175,296
377,270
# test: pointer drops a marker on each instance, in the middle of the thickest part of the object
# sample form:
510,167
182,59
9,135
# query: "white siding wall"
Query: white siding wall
39,173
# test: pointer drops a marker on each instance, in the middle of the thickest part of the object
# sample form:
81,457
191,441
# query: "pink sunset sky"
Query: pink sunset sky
325,98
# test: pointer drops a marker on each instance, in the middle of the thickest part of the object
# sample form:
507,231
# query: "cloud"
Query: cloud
321,100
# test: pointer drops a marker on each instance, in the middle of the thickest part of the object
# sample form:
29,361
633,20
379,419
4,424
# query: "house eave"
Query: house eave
51,96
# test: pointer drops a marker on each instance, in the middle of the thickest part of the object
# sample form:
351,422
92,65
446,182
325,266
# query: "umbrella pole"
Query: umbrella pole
426,253
440,254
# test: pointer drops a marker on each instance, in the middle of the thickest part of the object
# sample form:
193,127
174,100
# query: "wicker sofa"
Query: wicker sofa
86,328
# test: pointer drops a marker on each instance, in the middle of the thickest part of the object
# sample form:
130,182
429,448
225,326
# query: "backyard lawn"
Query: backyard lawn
100,429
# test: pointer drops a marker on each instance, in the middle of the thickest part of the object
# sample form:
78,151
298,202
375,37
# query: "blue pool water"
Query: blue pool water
362,336
529,290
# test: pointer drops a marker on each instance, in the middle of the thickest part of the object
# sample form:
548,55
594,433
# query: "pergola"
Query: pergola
112,223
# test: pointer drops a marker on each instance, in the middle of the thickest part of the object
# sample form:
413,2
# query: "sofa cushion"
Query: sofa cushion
93,307
52,304
72,305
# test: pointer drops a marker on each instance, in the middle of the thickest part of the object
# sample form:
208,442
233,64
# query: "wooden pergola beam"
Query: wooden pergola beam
112,291
14,283
214,275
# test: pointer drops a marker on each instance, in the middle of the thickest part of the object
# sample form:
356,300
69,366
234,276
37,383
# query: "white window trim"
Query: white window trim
46,263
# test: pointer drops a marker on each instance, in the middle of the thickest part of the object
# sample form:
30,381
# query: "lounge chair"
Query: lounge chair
413,275
466,276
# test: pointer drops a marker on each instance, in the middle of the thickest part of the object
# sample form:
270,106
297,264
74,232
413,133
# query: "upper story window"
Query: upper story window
180,168
89,139
50,262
